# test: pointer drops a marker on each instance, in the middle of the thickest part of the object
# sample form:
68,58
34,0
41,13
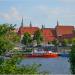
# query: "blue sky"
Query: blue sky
39,12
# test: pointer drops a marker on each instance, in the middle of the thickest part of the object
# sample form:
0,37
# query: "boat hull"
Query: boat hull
50,55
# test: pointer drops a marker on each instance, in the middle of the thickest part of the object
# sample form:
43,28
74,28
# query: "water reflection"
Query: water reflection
58,65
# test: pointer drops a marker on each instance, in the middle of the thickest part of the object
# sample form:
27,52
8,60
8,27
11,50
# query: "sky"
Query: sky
39,12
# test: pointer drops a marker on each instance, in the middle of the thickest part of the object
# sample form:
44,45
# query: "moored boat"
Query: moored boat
64,54
43,54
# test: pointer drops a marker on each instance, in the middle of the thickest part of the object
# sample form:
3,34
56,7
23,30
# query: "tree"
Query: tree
72,59
64,42
49,42
3,29
13,36
8,38
10,66
38,37
69,41
5,45
55,42
73,40
26,39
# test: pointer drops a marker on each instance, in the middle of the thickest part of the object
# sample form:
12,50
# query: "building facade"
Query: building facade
49,34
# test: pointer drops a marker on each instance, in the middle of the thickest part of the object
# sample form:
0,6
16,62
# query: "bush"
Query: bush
72,59
12,66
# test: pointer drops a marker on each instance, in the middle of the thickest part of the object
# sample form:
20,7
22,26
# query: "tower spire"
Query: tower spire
57,23
22,22
43,26
30,24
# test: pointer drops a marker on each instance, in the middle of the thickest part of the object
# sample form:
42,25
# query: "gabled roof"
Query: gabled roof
48,34
30,30
64,30
48,31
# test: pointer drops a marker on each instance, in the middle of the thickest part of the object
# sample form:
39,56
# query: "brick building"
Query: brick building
49,34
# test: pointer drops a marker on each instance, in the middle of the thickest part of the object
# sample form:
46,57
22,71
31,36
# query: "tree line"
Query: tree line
8,40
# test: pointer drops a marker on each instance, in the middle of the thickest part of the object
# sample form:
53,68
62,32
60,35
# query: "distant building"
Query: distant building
30,30
65,31
49,34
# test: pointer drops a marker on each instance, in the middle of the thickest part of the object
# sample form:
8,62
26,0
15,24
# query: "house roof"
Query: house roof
64,30
30,30
48,34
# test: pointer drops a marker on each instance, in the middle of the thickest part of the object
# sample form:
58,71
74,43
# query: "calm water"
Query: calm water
58,65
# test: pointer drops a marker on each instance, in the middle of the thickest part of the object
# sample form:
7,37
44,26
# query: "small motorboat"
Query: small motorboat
63,54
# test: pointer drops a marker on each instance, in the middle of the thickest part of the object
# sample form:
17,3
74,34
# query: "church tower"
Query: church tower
22,23
30,24
43,26
57,23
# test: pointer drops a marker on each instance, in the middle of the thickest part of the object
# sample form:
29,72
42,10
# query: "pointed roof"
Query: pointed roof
30,30
64,30
42,26
48,34
30,24
57,23
22,22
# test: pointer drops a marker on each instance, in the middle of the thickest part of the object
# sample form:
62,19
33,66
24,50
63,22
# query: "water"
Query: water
58,65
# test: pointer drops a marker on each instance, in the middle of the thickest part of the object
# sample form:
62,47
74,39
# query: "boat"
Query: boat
43,54
64,54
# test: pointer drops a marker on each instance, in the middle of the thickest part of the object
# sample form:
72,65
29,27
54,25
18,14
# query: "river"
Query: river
58,65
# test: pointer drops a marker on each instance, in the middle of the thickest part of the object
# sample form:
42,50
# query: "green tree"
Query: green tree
10,66
72,59
14,37
49,42
69,41
26,39
38,37
64,42
55,42
73,40
8,38
3,29
5,45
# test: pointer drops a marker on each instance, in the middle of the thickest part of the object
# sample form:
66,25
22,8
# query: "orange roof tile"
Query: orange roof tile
64,30
30,30
48,34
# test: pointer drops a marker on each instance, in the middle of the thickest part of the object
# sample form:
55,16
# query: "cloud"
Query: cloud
56,13
49,11
55,10
15,13
5,16
11,15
